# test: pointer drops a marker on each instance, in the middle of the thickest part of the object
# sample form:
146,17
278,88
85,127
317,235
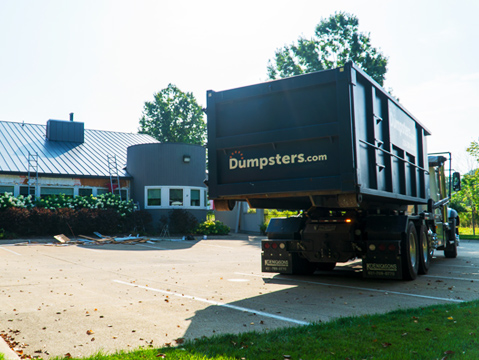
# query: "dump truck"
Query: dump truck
349,158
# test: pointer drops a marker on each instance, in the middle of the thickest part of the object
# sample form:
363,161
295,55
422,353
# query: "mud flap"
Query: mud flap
383,260
278,257
276,264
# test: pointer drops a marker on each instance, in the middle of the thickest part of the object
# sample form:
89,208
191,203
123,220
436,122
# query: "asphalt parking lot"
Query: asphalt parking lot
78,300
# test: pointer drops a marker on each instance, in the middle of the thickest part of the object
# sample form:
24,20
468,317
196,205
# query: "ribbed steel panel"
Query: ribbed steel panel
64,158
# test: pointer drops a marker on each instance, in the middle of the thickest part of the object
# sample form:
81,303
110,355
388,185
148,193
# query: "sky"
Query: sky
102,59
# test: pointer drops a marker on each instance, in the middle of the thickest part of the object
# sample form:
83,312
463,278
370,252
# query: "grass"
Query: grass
466,233
434,332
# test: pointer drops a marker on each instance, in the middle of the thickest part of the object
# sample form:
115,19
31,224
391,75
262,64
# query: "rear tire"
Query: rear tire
410,253
450,250
425,251
302,266
325,266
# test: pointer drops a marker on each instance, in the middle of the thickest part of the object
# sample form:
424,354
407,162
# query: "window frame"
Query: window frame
165,197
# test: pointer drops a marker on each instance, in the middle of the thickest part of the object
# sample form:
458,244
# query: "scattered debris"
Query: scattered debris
62,238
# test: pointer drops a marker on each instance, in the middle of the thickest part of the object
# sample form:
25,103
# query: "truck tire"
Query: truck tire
425,251
326,266
301,266
450,251
410,253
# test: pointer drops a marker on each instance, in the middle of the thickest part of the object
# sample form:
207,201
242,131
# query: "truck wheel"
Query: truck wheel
450,251
301,266
410,253
425,251
326,266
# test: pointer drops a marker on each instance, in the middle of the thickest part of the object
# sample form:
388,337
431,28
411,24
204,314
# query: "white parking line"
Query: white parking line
356,288
211,302
13,252
451,278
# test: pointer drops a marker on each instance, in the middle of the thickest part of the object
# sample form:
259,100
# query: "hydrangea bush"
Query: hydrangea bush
7,200
24,215
103,201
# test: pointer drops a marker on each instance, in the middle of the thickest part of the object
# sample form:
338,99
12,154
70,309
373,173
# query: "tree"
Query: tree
473,150
174,116
336,41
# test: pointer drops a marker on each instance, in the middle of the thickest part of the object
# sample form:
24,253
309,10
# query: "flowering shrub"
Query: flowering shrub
210,227
58,214
103,201
7,200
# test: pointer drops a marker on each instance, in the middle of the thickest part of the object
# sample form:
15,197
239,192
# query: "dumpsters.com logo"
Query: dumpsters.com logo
237,160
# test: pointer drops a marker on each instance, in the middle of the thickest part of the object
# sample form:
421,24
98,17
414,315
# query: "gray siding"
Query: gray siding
162,164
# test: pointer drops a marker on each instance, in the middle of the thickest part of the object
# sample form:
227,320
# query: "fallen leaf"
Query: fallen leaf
427,329
450,318
90,332
180,340
385,344
449,352
161,356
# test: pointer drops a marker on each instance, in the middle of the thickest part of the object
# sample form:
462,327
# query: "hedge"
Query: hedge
107,214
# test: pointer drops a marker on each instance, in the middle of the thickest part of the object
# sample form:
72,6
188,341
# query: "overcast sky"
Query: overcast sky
103,59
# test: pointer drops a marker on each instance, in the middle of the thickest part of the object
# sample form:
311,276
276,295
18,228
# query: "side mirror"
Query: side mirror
456,181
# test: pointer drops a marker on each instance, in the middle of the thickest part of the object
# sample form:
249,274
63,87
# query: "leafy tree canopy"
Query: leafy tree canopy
336,41
473,150
468,196
174,116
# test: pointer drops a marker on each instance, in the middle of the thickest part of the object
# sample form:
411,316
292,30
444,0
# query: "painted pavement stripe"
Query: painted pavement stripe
211,302
386,292
451,278
13,252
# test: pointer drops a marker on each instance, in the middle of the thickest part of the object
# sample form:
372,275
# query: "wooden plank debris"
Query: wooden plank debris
62,238
83,239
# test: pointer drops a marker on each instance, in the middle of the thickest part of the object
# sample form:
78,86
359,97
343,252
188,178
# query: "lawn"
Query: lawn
467,233
434,332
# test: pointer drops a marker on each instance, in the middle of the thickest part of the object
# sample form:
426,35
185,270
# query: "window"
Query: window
25,192
85,192
176,197
4,189
195,197
101,191
47,191
123,193
154,197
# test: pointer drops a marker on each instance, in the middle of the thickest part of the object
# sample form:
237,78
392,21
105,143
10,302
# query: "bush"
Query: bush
212,228
179,221
72,216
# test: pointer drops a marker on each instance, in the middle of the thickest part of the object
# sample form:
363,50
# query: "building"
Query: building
62,157
168,176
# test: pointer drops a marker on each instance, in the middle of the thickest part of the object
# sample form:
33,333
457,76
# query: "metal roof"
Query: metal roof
61,158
